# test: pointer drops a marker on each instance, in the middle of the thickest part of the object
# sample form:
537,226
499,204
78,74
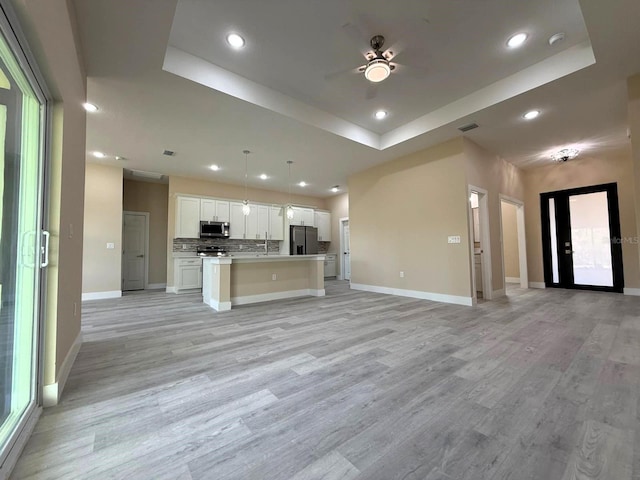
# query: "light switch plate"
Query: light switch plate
111,246
454,239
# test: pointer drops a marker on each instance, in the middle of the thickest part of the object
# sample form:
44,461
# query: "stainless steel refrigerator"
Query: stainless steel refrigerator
303,240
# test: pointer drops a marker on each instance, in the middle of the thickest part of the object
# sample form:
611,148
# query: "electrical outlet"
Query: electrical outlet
273,276
111,245
184,246
240,246
71,230
401,274
75,309
454,239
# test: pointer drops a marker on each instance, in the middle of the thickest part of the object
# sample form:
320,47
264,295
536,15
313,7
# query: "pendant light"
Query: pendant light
289,206
246,209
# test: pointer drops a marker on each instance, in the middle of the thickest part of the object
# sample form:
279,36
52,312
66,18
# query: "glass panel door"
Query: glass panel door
21,188
581,232
590,242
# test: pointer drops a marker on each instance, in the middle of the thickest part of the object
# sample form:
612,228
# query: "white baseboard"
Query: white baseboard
171,290
512,280
156,286
101,295
267,297
51,393
537,285
632,291
219,306
436,297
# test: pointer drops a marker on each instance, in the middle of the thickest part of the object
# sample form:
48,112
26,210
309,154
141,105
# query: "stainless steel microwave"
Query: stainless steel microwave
214,229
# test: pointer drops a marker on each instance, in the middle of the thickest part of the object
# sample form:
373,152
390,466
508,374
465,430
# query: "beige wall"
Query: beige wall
255,278
50,28
191,186
633,87
102,224
510,240
339,208
424,197
581,172
498,177
152,198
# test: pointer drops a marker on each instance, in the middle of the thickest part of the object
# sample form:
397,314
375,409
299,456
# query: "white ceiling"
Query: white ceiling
273,99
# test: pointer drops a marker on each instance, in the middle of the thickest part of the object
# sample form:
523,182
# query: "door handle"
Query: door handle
568,252
45,248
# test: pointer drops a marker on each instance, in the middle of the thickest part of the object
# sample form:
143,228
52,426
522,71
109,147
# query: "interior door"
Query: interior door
23,242
134,251
346,252
581,238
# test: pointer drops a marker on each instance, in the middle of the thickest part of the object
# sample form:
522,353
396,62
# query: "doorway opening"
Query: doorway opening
581,241
514,247
345,250
135,251
480,244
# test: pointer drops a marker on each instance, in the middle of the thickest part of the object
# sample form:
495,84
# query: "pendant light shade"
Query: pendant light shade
289,206
246,209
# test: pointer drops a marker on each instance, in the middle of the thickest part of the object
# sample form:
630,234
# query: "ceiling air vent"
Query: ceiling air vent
466,128
169,153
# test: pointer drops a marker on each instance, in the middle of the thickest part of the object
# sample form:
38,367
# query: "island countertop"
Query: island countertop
252,278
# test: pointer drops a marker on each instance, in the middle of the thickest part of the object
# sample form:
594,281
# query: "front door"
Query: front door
581,238
134,243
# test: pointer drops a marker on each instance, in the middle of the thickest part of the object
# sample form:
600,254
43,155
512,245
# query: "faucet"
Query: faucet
265,244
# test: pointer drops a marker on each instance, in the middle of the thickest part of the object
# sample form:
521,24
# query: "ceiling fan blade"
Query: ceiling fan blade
358,38
372,91
348,71
394,50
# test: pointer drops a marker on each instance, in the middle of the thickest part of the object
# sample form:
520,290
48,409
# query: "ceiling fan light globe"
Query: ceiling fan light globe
377,70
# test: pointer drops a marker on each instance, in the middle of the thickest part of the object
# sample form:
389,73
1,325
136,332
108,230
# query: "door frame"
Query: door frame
146,247
617,264
485,243
522,240
341,243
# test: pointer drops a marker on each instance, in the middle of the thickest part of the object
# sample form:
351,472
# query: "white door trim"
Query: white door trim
485,242
522,239
341,223
146,247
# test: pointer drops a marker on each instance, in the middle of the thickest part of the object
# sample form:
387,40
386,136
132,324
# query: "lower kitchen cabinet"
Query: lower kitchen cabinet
187,274
330,265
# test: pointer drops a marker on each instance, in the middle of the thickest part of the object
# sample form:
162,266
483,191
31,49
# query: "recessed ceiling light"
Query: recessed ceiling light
380,114
118,157
517,40
90,107
99,154
335,188
303,184
215,168
263,176
235,40
531,115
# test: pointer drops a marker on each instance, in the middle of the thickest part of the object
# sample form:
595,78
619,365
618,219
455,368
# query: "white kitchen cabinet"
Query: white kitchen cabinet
263,222
323,223
236,220
276,223
187,274
214,210
303,217
187,217
251,223
330,265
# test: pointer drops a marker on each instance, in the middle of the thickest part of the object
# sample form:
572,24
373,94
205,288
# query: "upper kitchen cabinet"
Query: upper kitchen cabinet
276,223
303,217
187,217
214,210
323,222
236,220
257,222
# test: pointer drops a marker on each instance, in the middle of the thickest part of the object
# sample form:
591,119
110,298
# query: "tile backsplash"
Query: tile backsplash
234,245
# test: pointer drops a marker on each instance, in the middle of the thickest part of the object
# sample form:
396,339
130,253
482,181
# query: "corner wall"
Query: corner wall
400,215
339,208
101,267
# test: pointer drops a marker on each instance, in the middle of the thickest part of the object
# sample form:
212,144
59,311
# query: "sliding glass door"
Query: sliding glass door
23,246
581,232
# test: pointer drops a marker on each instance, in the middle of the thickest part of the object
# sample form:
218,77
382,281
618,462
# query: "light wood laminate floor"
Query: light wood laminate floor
538,385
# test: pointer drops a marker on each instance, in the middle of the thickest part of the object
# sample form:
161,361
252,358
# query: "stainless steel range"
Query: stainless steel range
211,251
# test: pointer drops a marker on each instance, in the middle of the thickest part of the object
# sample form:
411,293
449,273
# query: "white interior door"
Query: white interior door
346,252
134,251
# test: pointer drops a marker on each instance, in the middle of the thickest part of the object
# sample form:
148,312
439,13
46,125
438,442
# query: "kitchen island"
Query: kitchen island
240,280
